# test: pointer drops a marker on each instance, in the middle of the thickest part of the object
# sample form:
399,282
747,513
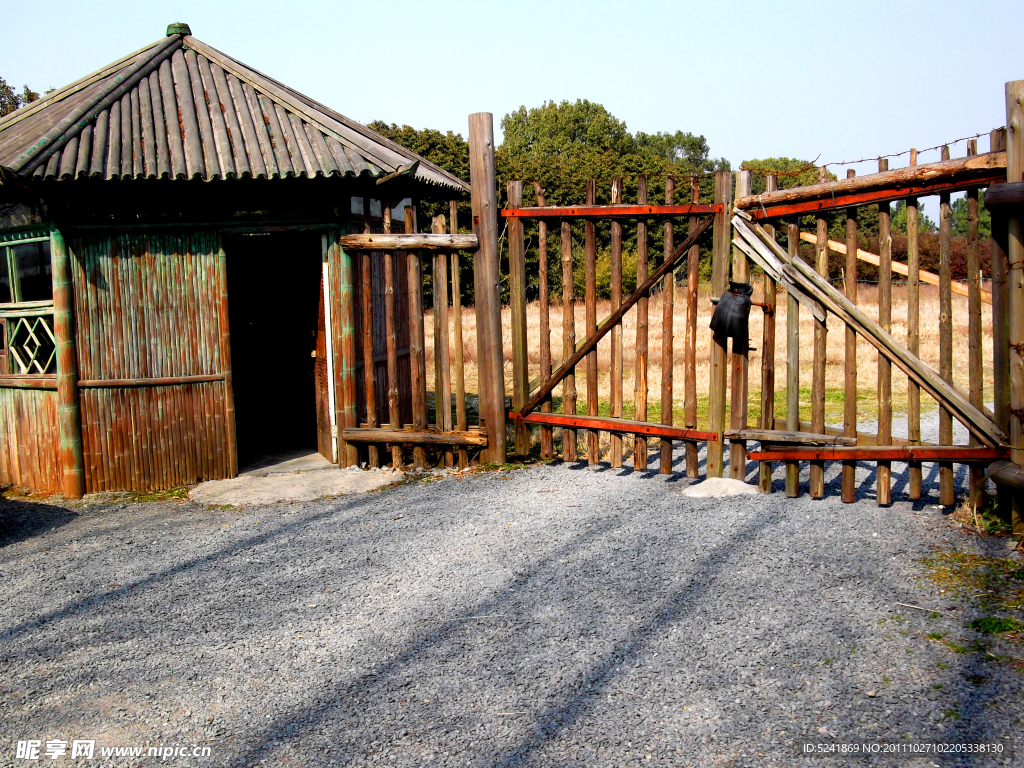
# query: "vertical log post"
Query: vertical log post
690,340
344,322
486,280
590,254
914,477
1015,288
792,363
883,482
366,259
547,446
668,294
975,360
391,330
442,365
1000,324
946,495
417,345
849,478
640,369
719,280
740,359
764,471
231,434
517,308
820,351
615,410
69,418
568,340
460,369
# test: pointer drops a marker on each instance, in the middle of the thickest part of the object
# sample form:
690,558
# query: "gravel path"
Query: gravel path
555,616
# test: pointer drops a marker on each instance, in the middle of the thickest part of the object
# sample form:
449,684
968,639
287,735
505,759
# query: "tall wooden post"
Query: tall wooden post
792,364
740,361
230,433
442,363
590,254
615,452
460,374
946,496
976,494
764,471
668,296
69,418
820,350
568,340
517,308
849,479
640,369
1015,287
1000,320
486,285
391,330
547,448
719,280
343,320
690,346
369,384
913,338
417,342
883,481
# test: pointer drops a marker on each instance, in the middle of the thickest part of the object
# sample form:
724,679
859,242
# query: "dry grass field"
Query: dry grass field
867,358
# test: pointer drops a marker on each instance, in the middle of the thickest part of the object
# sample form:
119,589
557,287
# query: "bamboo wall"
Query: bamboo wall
29,439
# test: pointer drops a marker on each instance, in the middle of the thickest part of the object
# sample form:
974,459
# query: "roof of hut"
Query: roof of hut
226,120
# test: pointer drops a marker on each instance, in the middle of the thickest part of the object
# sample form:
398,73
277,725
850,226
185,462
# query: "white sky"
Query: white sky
800,79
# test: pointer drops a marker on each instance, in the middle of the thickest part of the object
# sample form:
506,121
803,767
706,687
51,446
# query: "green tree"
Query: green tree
924,224
959,211
9,98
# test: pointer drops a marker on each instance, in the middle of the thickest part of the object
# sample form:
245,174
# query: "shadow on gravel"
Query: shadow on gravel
21,520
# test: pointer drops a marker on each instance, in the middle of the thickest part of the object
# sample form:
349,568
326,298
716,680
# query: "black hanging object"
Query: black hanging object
732,315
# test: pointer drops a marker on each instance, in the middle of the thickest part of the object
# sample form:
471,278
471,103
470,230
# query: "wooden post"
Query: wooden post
344,322
460,370
442,366
568,340
391,329
616,333
740,359
590,254
719,282
69,418
365,259
764,471
517,308
690,340
792,364
849,479
1015,288
230,430
820,350
640,369
417,347
976,493
913,338
883,482
547,447
486,281
946,495
668,293
1000,323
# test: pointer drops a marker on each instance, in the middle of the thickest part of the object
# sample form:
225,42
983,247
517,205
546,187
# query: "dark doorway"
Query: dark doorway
273,300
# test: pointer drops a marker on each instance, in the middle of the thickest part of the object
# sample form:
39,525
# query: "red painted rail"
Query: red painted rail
610,211
608,424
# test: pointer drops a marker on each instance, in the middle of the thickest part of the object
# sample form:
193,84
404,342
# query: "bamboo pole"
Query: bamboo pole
569,446
719,281
460,369
369,384
914,475
391,330
1000,321
946,494
849,476
640,369
690,341
590,254
668,292
817,485
69,417
1015,288
417,347
764,471
344,337
442,365
230,433
883,474
547,447
616,334
740,358
517,308
792,365
976,472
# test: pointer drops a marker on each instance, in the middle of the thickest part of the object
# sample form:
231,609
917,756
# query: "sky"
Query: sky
826,80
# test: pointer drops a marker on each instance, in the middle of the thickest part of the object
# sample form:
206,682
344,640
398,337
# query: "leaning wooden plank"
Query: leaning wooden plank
619,426
414,437
411,241
773,268
962,454
783,436
863,438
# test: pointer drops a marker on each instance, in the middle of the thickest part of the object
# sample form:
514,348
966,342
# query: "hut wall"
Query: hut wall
29,439
148,306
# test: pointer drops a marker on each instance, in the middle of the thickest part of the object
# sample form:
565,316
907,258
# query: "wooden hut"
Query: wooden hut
173,296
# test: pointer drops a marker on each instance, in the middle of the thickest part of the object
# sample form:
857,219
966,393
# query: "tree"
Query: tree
924,224
9,99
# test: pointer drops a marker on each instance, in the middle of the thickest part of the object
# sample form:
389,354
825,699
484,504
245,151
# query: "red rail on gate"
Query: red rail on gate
610,211
620,426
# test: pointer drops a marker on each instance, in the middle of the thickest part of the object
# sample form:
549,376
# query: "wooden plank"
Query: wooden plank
417,345
159,381
817,483
999,195
460,366
962,454
618,426
668,293
442,365
591,211
640,367
740,357
946,491
849,472
369,384
410,241
883,475
764,470
914,475
786,436
615,409
1000,332
792,365
568,341
590,256
415,437
1015,289
391,332
29,382
517,309
975,359
719,281
547,447
1007,475
690,341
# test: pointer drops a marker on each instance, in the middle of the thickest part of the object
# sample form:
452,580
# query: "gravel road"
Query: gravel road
553,616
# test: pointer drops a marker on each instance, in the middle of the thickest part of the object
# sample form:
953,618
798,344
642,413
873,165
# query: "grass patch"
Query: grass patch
171,494
995,625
